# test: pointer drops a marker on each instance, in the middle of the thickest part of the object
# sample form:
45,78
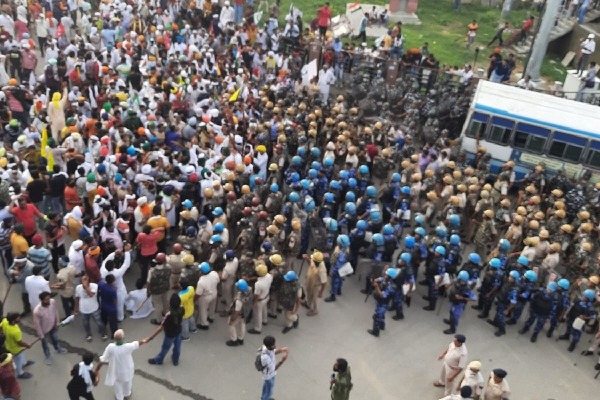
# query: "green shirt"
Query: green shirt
13,337
342,386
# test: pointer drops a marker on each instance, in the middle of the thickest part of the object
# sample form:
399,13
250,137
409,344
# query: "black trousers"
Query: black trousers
77,396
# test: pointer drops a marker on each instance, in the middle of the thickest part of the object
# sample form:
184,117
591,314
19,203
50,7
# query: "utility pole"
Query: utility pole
541,39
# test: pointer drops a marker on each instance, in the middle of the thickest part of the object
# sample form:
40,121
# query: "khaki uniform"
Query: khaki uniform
176,265
316,276
207,292
261,292
496,391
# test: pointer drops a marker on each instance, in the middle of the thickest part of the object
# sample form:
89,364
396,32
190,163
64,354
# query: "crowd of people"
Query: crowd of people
180,143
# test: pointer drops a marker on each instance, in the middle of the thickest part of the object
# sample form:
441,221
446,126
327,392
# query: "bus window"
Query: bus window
567,147
531,138
478,125
593,156
500,130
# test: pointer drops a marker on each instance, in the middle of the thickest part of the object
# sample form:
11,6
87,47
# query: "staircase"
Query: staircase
563,25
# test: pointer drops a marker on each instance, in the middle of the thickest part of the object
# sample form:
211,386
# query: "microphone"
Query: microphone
333,379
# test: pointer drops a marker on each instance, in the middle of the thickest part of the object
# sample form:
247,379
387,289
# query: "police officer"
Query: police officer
357,239
338,259
405,279
525,289
543,305
472,267
434,275
384,289
492,281
506,301
458,295
562,305
581,312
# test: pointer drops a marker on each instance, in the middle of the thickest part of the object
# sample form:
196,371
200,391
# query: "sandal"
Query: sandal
438,384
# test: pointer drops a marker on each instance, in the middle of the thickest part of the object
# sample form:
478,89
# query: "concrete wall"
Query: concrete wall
570,42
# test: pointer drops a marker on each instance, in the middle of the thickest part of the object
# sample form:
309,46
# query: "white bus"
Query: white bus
530,127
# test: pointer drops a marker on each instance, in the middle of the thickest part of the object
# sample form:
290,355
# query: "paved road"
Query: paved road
400,364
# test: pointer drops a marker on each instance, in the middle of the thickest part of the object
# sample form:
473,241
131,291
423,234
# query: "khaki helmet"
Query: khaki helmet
457,174
454,200
352,150
469,171
368,131
353,111
261,270
519,219
521,210
188,259
560,213
489,214
340,98
567,228
276,260
281,138
312,132
533,224
597,186
473,188
505,203
378,125
240,168
313,125
273,229
594,279
530,189
481,149
462,188
317,256
216,184
484,194
318,112
406,164
302,106
416,177
330,146
231,176
276,110
586,227
451,165
329,121
246,189
414,158
273,167
296,224
534,241
447,179
536,200
583,215
557,193
539,215
487,187
208,193
510,164
342,125
555,246
342,138
544,234
586,246
428,173
290,111
386,152
559,205
280,219
228,187
335,110
432,196
269,105
539,168
312,117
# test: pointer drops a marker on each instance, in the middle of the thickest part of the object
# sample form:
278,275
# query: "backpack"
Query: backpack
288,295
258,361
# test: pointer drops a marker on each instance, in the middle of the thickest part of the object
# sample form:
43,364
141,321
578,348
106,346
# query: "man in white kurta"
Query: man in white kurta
118,274
119,357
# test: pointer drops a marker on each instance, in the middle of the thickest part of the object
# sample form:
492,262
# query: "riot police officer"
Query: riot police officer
384,290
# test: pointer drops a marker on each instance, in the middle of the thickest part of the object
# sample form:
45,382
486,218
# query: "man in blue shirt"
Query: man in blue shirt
108,302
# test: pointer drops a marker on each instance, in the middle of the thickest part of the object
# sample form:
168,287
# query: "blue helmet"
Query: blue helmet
420,231
217,211
352,183
396,177
187,204
524,261
378,239
454,219
375,216
334,185
350,208
454,239
441,250
409,241
363,169
552,286
302,152
329,197
204,267
294,197
350,196
515,275
362,225
504,245
343,240
343,174
531,276
242,285
564,284
463,276
229,255
118,177
441,231
406,257
309,204
274,187
332,226
388,229
328,162
315,152
392,272
218,227
371,191
495,263
297,160
420,219
316,165
474,258
305,183
215,239
589,294
295,177
405,189
312,173
266,247
290,276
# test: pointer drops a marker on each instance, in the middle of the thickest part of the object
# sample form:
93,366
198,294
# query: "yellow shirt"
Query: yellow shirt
159,222
13,337
19,245
187,301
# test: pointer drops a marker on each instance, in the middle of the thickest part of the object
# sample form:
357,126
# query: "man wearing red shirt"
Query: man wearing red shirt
323,19
92,269
525,28
25,214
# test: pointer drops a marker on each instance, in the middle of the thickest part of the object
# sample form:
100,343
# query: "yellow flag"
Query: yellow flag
235,95
44,140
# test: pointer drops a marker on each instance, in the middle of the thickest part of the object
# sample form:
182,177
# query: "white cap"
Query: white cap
77,245
142,200
146,169
591,36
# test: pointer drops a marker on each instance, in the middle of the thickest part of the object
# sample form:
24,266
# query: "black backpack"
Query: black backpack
258,361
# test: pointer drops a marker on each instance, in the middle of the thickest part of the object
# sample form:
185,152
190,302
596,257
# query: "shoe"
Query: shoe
232,343
500,332
587,353
447,321
210,320
185,339
155,321
24,375
48,361
175,363
426,298
60,350
449,331
382,327
477,307
483,315
549,333
511,322
311,313
373,332
423,282
240,342
286,329
153,361
597,367
264,323
88,338
29,363
274,316
533,338
254,332
194,331
329,299
398,317
364,291
104,337
563,337
296,322
572,346
203,327
305,305
428,308
491,322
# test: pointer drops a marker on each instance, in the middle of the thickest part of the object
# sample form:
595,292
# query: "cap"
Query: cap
500,373
460,338
77,245
37,240
475,365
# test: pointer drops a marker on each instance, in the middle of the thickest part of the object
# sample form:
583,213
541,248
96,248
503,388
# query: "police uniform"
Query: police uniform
543,306
506,298
385,292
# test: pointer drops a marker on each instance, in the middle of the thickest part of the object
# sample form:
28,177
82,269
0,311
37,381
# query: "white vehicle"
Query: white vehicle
531,128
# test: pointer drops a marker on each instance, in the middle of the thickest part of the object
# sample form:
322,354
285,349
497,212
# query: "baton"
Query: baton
301,266
142,305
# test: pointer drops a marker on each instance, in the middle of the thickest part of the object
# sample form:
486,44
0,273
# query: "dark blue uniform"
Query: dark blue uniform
542,306
583,308
433,276
525,291
506,297
405,277
458,295
387,289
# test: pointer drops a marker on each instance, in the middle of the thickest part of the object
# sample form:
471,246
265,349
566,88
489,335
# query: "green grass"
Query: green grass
553,70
